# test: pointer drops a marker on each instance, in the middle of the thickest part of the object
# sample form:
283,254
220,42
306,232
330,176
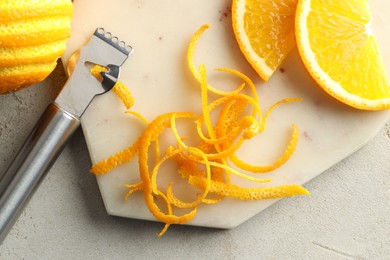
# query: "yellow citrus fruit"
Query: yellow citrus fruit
340,52
33,36
265,32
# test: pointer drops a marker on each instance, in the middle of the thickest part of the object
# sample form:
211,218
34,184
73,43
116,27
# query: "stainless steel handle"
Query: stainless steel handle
41,149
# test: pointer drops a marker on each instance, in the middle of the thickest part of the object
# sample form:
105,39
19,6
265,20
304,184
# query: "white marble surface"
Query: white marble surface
347,215
158,78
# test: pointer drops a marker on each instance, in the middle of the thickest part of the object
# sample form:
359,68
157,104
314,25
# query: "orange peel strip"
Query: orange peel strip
213,105
138,115
124,94
169,207
115,160
245,78
241,193
188,167
285,100
202,198
280,161
205,107
224,116
192,66
238,173
177,202
145,174
231,170
153,177
133,188
225,153
191,50
119,88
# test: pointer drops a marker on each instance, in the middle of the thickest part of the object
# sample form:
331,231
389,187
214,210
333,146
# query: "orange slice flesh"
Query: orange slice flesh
265,32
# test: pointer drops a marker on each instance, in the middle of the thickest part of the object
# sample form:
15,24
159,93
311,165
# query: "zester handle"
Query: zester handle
33,161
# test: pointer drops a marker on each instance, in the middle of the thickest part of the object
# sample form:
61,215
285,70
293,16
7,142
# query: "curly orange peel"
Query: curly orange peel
241,193
119,88
206,165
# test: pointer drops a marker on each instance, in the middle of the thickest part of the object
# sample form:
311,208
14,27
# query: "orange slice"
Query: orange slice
340,52
265,32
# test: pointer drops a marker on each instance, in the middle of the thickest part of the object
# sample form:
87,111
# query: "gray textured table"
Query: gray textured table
346,217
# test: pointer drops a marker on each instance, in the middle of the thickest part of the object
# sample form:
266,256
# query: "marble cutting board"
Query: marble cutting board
157,75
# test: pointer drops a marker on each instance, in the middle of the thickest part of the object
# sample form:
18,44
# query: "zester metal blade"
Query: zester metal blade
103,49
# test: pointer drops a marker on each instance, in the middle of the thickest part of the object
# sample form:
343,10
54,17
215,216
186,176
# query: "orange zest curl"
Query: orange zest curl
207,164
119,88
241,193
